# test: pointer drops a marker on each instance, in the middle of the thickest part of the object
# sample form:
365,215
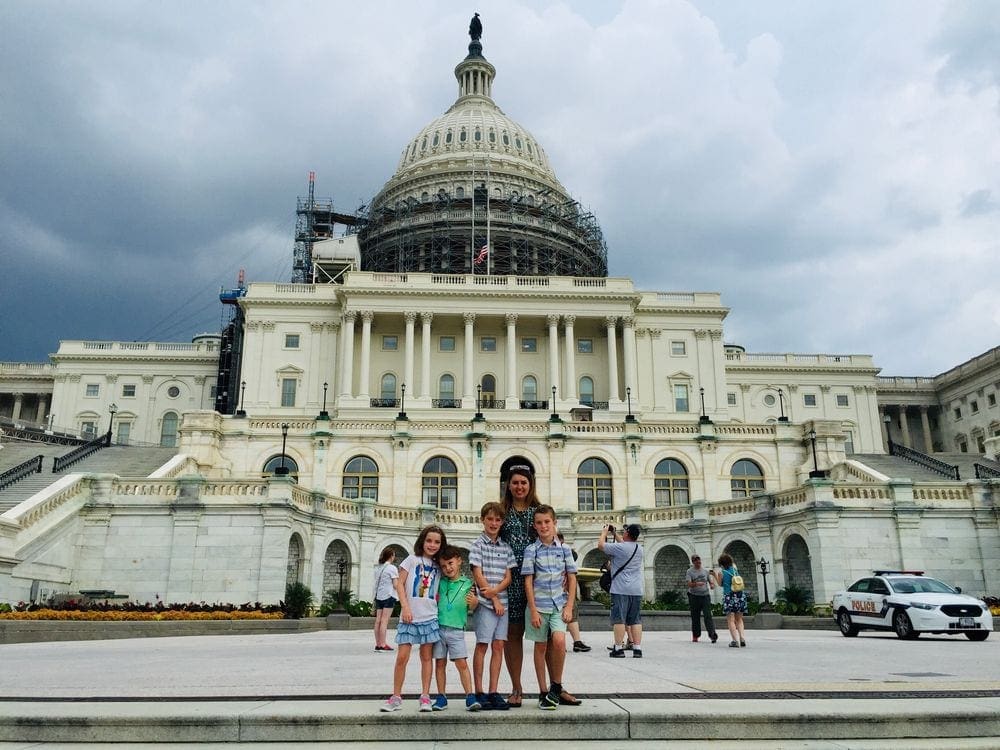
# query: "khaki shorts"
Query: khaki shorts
552,622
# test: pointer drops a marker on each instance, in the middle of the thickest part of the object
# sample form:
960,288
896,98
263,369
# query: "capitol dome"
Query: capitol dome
474,179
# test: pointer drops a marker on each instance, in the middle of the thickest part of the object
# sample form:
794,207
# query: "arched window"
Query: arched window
670,485
168,430
529,388
272,464
593,486
446,387
460,192
439,484
489,391
437,139
361,479
746,478
586,390
388,388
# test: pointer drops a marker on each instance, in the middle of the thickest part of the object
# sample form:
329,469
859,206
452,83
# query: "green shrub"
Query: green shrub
602,597
298,601
336,601
4,607
673,600
794,600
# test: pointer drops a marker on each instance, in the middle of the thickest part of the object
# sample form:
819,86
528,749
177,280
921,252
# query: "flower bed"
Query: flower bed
135,616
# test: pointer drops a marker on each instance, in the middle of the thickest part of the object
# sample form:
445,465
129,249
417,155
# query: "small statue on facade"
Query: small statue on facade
476,28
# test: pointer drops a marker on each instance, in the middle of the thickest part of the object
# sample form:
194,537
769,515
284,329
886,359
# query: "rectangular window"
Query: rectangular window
731,399
991,400
680,398
848,441
124,430
288,391
809,399
88,430
291,341
958,412
585,346
842,400
974,407
678,348
529,344
93,390
446,344
213,391
390,343
488,344
128,391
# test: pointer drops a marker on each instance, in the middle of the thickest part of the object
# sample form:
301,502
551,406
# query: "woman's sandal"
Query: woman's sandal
514,700
566,698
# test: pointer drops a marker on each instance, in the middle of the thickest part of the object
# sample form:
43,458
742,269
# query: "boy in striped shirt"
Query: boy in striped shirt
550,587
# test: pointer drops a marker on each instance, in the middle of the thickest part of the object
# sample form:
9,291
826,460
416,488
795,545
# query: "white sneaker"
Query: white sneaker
425,703
394,703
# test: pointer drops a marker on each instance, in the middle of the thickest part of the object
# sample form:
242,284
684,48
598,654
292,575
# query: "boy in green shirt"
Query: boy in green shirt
455,599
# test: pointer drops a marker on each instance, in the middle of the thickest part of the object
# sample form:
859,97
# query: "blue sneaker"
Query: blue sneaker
440,703
497,702
484,702
472,703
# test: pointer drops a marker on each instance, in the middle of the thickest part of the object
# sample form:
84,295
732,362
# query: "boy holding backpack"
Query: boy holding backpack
734,600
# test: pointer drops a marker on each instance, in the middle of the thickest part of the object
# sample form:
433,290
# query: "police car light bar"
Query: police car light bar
899,572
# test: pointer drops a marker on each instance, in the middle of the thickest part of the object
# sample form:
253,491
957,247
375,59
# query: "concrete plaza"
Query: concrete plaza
787,688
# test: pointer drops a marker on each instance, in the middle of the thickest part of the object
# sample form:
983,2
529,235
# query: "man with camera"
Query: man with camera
625,558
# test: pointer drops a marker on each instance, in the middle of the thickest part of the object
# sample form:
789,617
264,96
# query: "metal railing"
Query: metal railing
446,403
19,472
78,454
534,404
493,403
384,403
982,472
924,460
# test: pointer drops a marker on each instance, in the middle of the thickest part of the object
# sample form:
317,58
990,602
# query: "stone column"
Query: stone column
512,397
330,348
425,354
628,353
904,425
43,408
468,386
569,368
410,317
347,358
366,353
613,396
18,401
553,321
925,427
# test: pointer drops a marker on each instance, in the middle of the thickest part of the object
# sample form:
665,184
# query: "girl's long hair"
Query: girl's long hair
508,498
418,546
386,554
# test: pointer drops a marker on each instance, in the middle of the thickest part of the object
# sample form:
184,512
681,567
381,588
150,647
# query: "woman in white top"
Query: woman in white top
385,597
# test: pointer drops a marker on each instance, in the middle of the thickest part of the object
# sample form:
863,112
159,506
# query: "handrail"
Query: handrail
924,460
982,472
38,435
78,454
19,472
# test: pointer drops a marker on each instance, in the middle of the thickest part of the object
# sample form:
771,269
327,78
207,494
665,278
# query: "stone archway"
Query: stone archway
337,550
743,557
797,564
593,559
669,568
296,560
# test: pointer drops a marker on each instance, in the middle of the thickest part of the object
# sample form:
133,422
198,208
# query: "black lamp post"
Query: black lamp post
479,401
324,414
402,403
341,571
243,391
555,416
781,405
282,470
815,473
887,420
628,398
703,419
112,408
763,566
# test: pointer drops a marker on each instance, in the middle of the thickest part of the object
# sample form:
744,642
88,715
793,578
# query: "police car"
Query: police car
909,603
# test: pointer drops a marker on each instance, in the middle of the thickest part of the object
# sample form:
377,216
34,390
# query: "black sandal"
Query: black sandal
514,700
566,698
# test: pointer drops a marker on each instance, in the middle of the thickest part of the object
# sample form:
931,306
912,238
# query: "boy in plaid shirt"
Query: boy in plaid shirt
550,586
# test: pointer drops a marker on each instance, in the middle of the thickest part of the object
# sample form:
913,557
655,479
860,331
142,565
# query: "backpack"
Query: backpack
736,581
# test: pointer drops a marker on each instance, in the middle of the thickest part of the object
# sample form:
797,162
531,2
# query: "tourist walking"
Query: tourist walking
699,591
734,600
626,587
385,597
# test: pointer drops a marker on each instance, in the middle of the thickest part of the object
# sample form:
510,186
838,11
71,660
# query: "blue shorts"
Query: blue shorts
489,625
626,608
452,644
386,603
418,633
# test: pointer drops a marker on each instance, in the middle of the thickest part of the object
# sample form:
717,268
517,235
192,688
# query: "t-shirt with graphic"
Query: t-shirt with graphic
423,576
453,612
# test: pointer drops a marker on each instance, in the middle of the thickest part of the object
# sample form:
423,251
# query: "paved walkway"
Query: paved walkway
786,686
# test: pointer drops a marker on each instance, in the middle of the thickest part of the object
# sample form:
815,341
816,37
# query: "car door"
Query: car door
862,602
878,596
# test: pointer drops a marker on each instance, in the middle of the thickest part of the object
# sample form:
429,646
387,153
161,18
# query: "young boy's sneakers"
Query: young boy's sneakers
636,652
425,703
617,653
440,703
497,702
484,701
580,646
394,703
548,702
472,702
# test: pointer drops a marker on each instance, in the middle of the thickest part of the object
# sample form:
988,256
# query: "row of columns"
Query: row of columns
888,414
18,408
568,360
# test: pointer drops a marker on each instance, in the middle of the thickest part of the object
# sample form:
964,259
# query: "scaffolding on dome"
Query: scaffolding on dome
314,222
435,235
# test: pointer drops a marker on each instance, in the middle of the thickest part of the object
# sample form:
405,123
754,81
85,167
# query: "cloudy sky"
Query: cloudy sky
830,167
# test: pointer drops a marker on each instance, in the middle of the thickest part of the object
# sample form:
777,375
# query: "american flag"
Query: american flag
483,252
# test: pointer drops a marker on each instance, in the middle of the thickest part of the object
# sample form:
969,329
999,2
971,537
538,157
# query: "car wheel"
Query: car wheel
847,627
902,626
978,635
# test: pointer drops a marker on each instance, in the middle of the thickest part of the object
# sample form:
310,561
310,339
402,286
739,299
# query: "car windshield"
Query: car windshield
919,585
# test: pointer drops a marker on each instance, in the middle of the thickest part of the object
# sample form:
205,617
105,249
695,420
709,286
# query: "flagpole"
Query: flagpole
489,249
472,244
